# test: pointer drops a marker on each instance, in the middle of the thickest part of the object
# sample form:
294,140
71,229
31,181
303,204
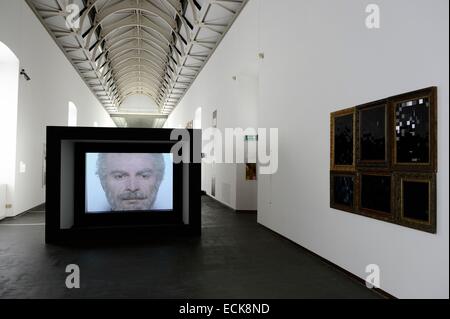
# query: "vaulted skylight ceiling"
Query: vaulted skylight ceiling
138,47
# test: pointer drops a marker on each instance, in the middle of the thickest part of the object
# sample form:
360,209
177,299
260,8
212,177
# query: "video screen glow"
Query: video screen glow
121,182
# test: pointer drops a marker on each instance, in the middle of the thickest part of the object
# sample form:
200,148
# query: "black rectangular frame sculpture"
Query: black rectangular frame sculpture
416,200
411,128
350,182
363,191
347,162
61,187
383,160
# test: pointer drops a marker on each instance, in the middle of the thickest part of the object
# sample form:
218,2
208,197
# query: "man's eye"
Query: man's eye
146,176
118,177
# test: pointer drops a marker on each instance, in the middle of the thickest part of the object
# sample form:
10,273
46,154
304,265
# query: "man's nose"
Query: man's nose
133,184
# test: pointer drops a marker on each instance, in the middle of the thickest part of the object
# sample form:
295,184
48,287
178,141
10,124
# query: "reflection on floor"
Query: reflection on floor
234,258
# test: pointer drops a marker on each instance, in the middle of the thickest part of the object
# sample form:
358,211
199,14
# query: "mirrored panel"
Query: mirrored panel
416,200
414,138
342,195
373,134
343,140
376,195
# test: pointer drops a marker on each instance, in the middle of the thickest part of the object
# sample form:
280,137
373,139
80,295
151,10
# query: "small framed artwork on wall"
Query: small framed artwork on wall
250,172
343,140
416,200
372,141
342,191
376,195
414,137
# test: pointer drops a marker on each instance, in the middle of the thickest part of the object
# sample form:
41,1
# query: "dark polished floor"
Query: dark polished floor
234,258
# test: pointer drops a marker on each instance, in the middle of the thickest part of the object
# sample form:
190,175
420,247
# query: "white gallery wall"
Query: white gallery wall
320,57
42,101
228,83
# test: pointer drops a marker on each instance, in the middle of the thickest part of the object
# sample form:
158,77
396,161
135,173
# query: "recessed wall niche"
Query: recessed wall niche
384,159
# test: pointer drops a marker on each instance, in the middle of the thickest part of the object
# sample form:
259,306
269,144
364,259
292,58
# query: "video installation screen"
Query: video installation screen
128,182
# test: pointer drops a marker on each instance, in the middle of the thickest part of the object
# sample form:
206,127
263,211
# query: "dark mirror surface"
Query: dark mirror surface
343,190
416,200
376,193
343,140
373,134
412,131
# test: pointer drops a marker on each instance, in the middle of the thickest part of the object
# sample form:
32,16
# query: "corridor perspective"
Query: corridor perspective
203,151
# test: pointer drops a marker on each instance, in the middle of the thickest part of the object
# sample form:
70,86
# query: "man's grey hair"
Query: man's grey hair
157,159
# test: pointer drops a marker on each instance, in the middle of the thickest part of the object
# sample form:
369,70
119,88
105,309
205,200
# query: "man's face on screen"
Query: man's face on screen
130,182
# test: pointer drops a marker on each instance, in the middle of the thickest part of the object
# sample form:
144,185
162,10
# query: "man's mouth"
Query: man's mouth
133,200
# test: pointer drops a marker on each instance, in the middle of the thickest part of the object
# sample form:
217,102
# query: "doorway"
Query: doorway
9,91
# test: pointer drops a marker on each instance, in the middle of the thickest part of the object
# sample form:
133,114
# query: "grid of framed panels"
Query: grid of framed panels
383,159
